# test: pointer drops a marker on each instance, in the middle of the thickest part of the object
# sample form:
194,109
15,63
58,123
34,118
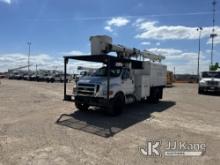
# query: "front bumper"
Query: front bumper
92,101
210,88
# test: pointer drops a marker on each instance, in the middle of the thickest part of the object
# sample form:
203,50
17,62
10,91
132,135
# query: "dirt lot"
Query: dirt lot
29,133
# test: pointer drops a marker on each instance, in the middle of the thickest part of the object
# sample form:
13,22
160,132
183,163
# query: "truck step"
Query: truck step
129,99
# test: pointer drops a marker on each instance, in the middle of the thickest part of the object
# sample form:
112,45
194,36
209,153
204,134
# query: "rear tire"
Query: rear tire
116,105
154,96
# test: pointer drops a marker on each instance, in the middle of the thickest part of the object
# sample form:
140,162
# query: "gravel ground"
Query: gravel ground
29,133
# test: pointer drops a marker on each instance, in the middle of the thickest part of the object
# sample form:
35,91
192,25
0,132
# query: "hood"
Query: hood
92,79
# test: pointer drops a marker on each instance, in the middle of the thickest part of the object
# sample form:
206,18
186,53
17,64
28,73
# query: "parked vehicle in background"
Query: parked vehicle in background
56,78
27,76
170,79
19,76
34,77
2,76
12,75
209,81
42,76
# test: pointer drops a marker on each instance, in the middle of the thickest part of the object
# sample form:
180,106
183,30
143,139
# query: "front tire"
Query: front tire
116,105
81,107
200,91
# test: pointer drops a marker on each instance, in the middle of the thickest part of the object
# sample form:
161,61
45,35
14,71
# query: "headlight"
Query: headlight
202,83
110,92
104,90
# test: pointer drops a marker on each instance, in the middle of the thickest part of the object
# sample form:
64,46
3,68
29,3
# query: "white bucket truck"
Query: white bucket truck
122,80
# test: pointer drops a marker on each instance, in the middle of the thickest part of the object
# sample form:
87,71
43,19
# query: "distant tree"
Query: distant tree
214,67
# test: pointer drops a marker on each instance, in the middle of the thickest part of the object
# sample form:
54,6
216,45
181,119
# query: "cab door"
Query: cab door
127,82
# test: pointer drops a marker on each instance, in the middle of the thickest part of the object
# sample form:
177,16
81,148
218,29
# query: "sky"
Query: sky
62,27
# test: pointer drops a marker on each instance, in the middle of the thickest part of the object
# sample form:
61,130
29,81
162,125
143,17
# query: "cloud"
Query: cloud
14,60
43,61
176,54
208,51
116,22
146,43
158,44
73,52
190,67
151,30
169,53
184,62
108,28
6,1
138,21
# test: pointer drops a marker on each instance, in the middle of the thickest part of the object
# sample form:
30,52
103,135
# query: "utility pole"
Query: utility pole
36,68
213,34
29,53
199,29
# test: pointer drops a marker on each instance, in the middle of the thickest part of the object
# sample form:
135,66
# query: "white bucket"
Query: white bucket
99,43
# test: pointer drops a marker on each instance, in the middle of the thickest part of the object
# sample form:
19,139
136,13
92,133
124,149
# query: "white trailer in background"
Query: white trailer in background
122,80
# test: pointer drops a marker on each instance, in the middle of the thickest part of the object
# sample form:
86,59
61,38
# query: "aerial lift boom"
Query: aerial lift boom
103,45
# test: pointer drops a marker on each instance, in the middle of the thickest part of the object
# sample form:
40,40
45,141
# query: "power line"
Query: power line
125,16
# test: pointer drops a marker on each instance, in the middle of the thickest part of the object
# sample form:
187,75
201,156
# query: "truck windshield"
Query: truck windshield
102,72
211,74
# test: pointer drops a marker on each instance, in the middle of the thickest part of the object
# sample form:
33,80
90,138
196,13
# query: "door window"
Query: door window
126,74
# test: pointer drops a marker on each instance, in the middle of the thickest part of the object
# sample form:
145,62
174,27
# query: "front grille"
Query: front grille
86,89
215,83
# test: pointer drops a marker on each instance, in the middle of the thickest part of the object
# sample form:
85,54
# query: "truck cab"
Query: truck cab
120,81
92,90
209,81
